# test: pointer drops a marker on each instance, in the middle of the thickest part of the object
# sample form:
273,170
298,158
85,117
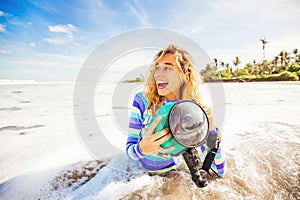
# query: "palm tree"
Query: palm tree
222,64
216,62
236,62
255,65
282,56
275,63
296,55
250,68
264,42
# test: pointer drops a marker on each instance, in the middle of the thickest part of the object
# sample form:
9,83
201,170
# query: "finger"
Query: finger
167,150
163,139
154,125
145,133
160,134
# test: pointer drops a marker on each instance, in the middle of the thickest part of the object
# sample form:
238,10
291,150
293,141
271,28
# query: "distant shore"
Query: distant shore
248,80
259,82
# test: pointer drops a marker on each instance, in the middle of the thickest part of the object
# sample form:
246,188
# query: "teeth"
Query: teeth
161,82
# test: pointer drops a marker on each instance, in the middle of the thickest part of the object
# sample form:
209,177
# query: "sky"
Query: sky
50,40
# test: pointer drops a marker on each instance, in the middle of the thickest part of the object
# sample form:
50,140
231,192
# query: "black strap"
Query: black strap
210,157
193,161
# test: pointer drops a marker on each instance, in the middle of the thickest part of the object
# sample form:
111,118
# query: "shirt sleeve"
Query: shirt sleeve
135,126
219,164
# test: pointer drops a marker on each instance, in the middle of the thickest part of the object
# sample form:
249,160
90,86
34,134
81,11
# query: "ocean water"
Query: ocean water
260,136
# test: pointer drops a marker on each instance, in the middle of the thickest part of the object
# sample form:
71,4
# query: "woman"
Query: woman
172,77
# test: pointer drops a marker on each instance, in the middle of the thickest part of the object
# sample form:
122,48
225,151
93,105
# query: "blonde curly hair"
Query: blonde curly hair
189,72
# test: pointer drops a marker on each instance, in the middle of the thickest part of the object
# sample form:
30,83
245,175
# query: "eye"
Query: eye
168,68
157,68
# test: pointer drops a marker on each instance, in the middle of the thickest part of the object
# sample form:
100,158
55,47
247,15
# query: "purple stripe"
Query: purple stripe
136,104
156,165
135,126
220,166
129,144
202,148
130,152
135,121
139,152
221,172
140,101
132,140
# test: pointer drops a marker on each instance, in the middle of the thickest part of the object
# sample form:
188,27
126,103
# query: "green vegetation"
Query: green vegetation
134,80
284,67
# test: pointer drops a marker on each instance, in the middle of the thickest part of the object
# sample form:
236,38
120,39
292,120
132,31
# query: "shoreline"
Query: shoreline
107,83
252,81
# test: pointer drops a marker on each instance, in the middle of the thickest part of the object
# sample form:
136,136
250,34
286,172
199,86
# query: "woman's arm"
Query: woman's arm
135,127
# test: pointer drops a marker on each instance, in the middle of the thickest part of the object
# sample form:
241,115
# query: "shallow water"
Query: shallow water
261,136
261,139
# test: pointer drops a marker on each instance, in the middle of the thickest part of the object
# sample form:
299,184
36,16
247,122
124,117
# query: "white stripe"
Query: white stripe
131,153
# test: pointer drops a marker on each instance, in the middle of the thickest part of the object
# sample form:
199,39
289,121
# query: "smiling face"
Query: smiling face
167,77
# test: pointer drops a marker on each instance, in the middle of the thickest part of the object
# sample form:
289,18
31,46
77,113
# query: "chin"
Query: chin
162,93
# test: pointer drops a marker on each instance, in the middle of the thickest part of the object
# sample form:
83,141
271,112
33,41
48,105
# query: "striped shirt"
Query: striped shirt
155,163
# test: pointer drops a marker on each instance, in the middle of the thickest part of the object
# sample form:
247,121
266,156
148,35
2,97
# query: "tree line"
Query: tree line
285,66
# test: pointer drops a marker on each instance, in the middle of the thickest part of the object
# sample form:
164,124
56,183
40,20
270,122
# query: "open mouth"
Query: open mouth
161,84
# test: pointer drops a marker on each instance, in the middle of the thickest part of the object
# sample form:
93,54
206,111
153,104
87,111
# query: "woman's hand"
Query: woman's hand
151,141
209,114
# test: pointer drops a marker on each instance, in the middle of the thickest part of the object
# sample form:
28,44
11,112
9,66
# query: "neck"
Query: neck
172,96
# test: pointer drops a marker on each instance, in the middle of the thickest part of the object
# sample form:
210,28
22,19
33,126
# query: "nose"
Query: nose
158,73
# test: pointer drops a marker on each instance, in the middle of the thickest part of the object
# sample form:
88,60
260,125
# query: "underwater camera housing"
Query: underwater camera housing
189,126
187,123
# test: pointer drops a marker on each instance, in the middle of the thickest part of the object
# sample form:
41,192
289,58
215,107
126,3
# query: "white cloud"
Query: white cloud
64,29
197,29
2,28
3,14
2,51
230,28
68,29
17,22
140,14
57,40
32,44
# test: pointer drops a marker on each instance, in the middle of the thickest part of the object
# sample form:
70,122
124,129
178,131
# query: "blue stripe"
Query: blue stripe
135,121
155,165
140,102
135,115
138,151
135,126
143,102
130,152
132,140
202,148
136,104
220,166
